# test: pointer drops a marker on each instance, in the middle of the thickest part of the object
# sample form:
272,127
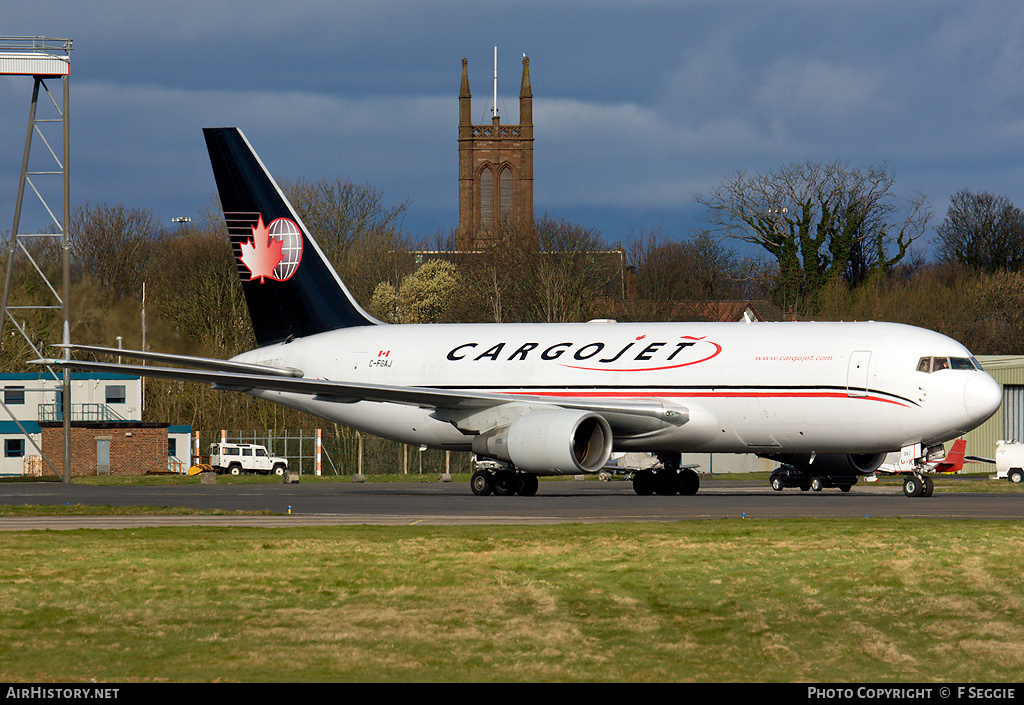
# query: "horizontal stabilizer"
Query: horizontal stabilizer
206,363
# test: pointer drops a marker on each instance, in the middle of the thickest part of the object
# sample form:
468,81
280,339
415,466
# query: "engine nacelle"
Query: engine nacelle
550,442
826,464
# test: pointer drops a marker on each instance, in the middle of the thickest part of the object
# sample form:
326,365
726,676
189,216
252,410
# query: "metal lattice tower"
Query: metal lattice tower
45,59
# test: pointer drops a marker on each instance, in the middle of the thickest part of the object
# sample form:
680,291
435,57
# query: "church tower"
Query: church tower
495,166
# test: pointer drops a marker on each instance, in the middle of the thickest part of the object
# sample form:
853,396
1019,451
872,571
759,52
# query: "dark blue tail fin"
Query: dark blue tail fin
292,291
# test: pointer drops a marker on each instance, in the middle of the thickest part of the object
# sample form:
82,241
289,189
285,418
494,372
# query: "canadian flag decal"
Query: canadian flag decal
274,252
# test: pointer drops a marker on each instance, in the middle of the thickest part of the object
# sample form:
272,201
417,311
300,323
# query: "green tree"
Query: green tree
425,296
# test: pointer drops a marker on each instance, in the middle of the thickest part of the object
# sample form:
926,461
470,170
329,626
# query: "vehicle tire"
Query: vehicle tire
913,487
279,470
689,482
643,482
1016,476
528,486
506,483
666,482
777,484
816,484
235,469
845,488
481,483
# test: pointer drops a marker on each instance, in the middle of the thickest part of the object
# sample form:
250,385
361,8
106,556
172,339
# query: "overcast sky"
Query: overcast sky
638,105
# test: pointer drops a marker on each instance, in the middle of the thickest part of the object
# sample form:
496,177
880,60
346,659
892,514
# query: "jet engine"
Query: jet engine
550,442
839,464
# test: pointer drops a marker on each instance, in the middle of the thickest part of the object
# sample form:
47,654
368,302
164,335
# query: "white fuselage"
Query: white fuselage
761,387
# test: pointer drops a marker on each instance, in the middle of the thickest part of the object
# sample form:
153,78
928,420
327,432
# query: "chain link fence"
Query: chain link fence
347,452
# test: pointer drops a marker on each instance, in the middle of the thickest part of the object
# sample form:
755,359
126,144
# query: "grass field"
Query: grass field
726,600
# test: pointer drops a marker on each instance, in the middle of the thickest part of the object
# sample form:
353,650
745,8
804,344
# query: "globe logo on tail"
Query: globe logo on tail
274,252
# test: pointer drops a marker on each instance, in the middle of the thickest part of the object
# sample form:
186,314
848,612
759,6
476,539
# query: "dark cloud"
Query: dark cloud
638,105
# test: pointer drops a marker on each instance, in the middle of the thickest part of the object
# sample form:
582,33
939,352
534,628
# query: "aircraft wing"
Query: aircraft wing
623,417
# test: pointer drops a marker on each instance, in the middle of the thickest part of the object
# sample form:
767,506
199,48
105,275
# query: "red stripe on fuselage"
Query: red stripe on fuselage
716,395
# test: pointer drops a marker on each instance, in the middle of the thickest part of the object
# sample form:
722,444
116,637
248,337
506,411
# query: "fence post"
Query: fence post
359,476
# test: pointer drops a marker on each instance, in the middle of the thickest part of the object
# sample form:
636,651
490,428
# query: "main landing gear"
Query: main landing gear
503,483
918,486
670,479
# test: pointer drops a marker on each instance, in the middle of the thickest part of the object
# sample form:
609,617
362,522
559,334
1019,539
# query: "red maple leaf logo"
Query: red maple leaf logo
262,253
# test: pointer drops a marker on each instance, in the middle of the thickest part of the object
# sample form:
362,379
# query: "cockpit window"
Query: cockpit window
934,364
961,363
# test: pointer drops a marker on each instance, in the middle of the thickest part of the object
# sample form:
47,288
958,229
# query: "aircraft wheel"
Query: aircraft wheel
777,484
506,483
689,482
816,484
528,486
666,482
929,487
481,483
643,482
912,486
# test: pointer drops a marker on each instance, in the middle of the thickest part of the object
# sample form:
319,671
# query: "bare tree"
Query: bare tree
358,232
196,288
113,244
982,231
665,273
572,270
817,221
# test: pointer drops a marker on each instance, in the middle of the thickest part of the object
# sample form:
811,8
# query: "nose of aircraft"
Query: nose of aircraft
982,396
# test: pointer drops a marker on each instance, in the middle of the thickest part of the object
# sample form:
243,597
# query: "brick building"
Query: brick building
107,447
495,167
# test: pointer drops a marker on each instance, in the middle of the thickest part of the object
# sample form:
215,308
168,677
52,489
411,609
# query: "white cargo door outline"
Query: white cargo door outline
751,425
857,374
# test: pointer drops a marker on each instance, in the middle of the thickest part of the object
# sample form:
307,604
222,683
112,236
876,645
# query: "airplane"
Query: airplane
545,399
953,462
918,483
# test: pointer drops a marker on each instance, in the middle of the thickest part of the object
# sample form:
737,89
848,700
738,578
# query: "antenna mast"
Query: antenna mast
494,109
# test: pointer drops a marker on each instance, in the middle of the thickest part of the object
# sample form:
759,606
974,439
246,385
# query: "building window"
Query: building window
115,394
506,193
14,395
172,447
14,447
487,199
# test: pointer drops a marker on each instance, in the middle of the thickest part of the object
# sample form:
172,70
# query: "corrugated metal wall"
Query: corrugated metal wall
1013,412
1008,422
31,65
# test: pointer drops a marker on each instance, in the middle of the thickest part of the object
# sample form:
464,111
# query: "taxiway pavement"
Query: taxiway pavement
441,503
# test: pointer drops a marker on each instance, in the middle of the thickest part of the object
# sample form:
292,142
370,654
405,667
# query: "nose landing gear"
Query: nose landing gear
918,486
